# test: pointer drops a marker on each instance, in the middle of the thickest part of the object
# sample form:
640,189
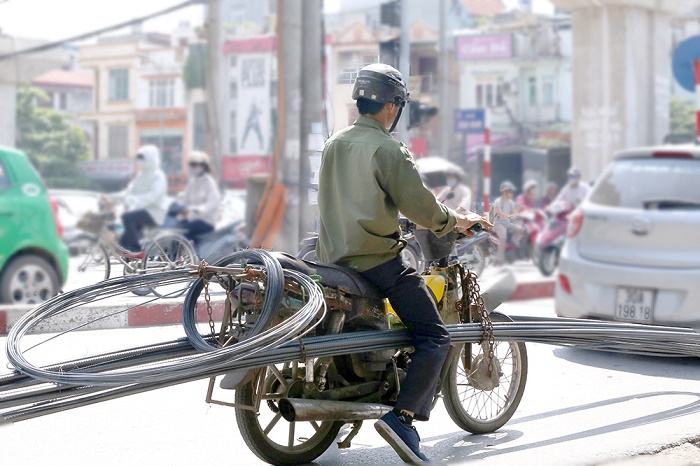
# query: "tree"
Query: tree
682,116
53,144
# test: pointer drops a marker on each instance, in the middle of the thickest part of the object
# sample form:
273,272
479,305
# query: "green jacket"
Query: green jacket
366,178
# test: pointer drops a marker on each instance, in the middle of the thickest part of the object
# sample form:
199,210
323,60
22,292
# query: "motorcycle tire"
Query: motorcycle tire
484,411
412,257
548,261
308,441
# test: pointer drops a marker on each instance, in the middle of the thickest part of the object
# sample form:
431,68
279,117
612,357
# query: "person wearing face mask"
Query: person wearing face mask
505,210
456,195
145,198
574,191
528,199
200,199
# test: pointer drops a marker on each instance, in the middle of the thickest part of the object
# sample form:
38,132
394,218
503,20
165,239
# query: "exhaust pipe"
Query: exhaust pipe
301,410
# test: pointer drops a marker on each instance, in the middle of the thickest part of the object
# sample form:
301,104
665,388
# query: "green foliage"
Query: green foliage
195,73
682,116
53,144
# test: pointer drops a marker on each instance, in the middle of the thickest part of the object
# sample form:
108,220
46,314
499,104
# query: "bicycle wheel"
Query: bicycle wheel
170,251
471,399
94,262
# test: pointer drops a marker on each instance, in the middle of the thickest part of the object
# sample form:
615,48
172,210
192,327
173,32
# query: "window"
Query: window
161,93
547,92
532,90
63,101
348,75
119,84
4,178
232,141
489,95
118,143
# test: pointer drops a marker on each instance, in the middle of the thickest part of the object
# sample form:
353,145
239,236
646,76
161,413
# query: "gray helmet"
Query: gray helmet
507,186
574,171
381,83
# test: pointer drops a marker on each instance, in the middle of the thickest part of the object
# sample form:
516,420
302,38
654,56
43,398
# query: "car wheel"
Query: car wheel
28,280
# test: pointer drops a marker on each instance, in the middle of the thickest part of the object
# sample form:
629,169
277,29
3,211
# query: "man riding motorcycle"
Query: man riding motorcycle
366,177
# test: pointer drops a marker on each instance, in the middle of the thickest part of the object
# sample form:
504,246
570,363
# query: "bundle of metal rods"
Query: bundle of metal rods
32,391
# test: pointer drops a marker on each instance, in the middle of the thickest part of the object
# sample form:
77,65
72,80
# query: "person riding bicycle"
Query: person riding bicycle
200,200
366,177
505,210
145,199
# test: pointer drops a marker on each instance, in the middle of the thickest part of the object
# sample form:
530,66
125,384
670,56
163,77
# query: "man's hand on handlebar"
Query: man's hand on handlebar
466,222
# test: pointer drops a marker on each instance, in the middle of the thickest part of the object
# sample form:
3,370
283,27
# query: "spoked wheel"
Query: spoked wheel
268,434
169,252
94,261
477,402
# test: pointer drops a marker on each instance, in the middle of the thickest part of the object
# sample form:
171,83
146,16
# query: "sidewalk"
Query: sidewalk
686,454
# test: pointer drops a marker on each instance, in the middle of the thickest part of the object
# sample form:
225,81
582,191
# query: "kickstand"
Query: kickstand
355,429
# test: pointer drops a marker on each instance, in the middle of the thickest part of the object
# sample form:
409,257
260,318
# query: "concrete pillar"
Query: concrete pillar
621,77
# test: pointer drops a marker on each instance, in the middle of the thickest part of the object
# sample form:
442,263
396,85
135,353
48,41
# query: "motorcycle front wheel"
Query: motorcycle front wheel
481,410
548,261
268,434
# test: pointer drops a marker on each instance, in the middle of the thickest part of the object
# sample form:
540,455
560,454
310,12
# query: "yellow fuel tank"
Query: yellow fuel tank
436,284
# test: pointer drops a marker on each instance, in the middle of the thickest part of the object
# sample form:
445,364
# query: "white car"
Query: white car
633,247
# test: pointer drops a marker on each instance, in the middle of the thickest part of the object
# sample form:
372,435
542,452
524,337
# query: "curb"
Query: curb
170,313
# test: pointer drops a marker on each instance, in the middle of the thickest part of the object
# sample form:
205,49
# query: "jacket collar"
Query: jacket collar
364,120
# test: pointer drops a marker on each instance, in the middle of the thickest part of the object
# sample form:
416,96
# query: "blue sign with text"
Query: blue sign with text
470,120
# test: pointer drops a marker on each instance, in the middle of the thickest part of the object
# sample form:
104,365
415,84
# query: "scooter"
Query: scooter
550,240
531,222
216,244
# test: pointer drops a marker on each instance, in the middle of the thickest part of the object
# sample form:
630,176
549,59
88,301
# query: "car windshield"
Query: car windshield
650,184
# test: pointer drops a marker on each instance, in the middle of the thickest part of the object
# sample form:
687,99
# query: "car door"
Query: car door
11,208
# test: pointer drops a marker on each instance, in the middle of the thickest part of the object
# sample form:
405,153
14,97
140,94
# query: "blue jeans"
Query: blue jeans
194,228
410,298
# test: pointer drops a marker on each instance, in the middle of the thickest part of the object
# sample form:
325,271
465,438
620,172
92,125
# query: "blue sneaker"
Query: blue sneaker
403,439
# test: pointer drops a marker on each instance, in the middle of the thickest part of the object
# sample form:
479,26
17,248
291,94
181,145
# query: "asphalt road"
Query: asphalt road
580,407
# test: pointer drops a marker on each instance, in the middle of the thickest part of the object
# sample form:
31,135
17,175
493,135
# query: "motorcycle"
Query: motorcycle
291,412
530,222
551,239
216,244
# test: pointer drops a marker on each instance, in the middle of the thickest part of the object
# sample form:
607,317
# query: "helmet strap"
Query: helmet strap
396,120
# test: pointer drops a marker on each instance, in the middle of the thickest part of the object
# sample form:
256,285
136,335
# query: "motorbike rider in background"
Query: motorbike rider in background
505,210
574,191
366,177
528,199
456,195
549,195
200,199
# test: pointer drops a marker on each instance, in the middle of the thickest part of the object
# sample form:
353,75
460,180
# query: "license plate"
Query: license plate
635,305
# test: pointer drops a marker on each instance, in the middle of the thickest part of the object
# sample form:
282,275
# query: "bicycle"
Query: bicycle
162,251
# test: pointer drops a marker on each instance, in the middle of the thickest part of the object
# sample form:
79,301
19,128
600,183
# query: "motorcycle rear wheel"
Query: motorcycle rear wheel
268,434
484,411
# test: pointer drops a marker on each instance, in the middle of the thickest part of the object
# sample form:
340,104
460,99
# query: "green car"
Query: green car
33,257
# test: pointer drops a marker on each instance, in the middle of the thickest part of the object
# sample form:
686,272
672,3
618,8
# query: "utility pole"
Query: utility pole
445,110
312,108
213,82
405,65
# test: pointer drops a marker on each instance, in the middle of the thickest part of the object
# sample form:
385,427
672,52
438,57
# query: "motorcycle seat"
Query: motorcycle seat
332,275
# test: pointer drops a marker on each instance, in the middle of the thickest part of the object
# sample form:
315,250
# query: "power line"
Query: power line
51,45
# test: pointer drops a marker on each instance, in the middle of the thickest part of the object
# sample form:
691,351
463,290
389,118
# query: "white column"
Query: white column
621,77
